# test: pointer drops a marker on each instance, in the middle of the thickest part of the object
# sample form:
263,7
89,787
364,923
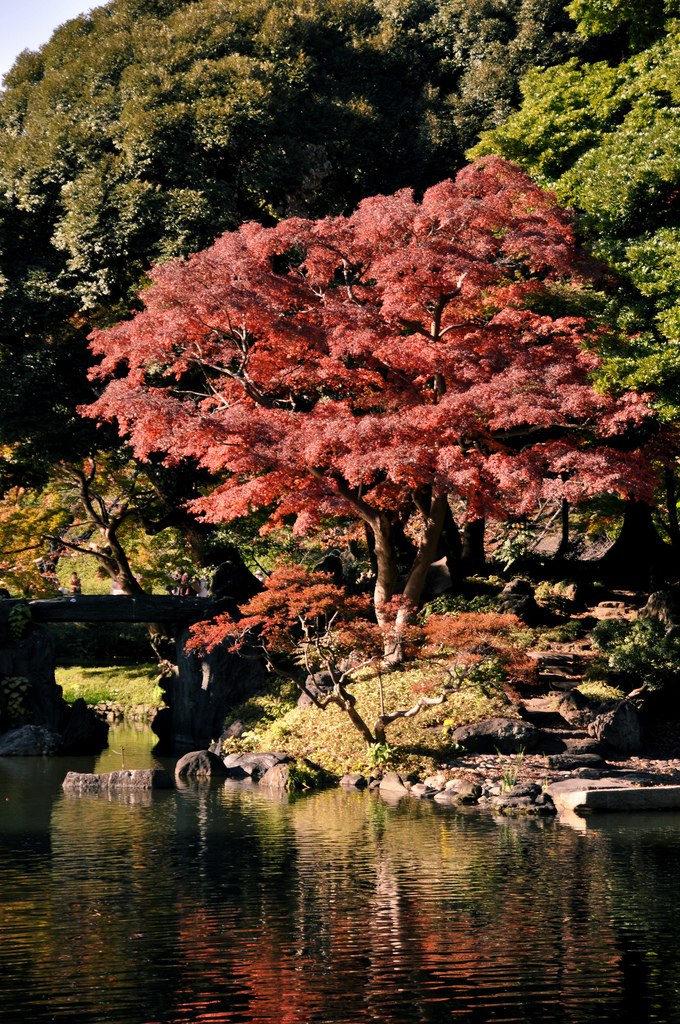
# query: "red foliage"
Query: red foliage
369,365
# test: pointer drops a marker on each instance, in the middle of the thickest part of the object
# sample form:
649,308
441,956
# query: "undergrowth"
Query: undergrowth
115,683
273,721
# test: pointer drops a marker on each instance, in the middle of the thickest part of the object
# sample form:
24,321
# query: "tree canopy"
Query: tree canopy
605,137
369,366
144,129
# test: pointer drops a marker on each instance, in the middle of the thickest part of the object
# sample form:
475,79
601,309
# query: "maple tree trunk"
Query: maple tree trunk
386,562
434,521
423,560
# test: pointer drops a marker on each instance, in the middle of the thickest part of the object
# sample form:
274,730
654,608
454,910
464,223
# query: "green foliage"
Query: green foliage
141,130
449,604
14,688
516,544
607,139
640,649
19,619
564,633
643,21
303,775
380,754
101,643
510,769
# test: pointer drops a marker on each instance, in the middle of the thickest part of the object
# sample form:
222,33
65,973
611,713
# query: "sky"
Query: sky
30,23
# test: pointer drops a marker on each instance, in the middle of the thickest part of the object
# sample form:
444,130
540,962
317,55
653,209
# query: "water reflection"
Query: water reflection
223,903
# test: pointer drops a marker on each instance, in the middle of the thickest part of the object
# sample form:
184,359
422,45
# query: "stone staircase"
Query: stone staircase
561,740
558,670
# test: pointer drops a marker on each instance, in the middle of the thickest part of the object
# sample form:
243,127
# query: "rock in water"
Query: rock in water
29,741
143,778
240,766
200,764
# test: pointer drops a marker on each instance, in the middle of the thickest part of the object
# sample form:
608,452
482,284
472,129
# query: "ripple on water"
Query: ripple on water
227,904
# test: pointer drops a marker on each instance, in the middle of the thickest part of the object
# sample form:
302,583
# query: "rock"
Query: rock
276,777
29,741
459,791
233,731
612,794
331,563
85,733
497,735
438,580
200,764
423,792
525,798
446,796
583,746
568,762
557,789
240,766
144,778
353,782
662,605
396,783
576,709
437,781
320,684
517,598
618,728
467,792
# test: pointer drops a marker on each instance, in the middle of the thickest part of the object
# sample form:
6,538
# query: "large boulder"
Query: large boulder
84,732
200,764
276,777
576,709
618,728
517,598
525,798
664,606
497,735
29,741
254,766
142,778
396,784
200,691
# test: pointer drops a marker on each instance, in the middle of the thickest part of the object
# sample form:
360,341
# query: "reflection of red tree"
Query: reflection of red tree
480,941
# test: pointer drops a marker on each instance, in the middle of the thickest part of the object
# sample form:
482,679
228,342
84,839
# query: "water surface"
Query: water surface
223,903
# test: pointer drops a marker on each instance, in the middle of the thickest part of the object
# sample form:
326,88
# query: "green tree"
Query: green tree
147,127
606,138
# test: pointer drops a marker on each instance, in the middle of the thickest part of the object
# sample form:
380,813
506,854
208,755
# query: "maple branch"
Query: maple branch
382,721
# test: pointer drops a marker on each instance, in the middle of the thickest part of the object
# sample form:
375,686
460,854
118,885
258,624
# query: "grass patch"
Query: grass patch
119,684
597,689
274,722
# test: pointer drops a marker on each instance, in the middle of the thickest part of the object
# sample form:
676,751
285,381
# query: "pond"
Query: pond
224,903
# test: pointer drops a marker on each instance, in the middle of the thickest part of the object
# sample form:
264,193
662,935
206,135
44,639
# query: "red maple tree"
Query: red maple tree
370,366
306,613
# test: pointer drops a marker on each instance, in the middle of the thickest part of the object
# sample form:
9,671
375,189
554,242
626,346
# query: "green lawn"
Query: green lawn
120,684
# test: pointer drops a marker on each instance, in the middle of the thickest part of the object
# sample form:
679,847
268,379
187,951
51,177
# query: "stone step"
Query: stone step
560,677
552,657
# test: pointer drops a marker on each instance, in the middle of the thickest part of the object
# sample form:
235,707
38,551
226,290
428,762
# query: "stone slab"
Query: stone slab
619,798
143,778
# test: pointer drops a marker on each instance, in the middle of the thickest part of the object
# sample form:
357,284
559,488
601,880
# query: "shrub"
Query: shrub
640,649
